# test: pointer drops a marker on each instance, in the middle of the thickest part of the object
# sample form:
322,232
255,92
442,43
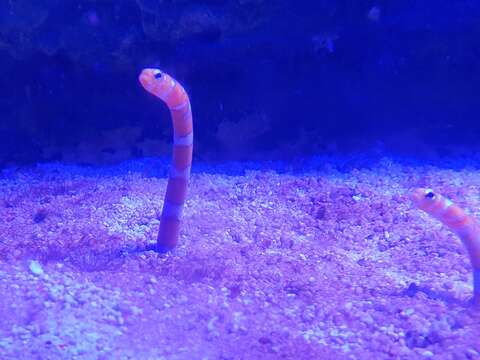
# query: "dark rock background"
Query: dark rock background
272,79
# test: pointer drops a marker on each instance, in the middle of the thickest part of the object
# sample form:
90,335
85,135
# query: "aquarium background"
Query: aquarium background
330,139
267,79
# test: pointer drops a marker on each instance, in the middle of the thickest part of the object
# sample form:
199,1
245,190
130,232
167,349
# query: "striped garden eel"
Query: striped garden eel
175,97
465,226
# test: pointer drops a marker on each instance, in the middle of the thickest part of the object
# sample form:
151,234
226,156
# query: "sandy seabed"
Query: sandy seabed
317,259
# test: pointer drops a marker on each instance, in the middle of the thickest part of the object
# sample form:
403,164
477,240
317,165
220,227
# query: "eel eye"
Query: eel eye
158,75
429,195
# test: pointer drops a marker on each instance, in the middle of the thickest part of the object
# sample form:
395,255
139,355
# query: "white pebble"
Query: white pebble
36,268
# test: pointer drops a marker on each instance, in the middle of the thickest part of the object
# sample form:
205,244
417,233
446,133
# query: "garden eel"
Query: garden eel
175,97
465,226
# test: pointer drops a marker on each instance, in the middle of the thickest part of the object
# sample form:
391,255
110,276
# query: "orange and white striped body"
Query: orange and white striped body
173,94
465,226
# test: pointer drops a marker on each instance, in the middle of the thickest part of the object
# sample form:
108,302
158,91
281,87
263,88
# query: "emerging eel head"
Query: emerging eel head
156,82
148,76
423,198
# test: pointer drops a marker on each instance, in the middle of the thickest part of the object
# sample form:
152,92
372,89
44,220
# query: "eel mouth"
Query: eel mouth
419,195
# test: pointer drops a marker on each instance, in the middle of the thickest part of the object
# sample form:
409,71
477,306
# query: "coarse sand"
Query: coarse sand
321,258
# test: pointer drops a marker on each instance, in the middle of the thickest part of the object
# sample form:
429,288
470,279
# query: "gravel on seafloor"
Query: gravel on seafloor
330,262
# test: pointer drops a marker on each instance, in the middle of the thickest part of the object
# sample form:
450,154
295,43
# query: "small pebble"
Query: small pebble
36,268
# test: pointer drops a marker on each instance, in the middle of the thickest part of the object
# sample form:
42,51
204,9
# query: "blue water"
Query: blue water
341,75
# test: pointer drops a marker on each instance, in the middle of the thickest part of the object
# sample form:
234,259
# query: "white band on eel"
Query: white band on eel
183,140
183,174
172,211
181,106
170,89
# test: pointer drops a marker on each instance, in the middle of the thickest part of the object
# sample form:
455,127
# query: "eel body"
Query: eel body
465,226
175,97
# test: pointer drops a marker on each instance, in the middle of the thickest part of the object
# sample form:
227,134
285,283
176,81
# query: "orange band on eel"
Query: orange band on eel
173,94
